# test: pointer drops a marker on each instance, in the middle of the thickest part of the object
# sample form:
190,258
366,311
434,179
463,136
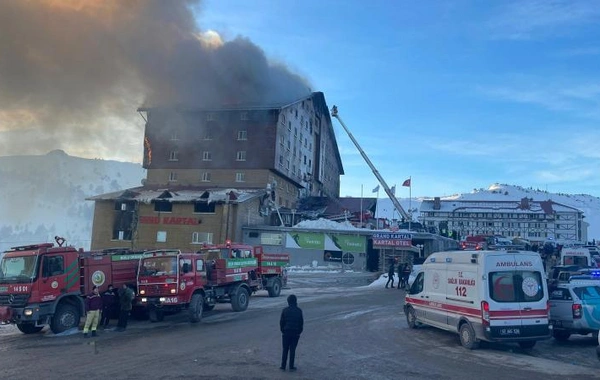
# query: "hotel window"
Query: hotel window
204,207
206,156
241,155
205,177
240,177
202,237
242,135
244,116
163,206
172,176
174,156
161,236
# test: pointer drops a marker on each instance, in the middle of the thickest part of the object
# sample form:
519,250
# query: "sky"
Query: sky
455,95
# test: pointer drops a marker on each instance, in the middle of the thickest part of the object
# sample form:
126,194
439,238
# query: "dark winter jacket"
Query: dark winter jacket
126,298
93,302
391,270
110,300
291,321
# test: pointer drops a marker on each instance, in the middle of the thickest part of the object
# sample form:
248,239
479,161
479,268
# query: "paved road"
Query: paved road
351,332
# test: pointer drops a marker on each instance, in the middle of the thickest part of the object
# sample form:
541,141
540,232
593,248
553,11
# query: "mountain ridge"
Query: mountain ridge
45,196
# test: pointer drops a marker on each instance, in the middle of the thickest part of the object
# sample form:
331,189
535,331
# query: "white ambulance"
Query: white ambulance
496,296
576,256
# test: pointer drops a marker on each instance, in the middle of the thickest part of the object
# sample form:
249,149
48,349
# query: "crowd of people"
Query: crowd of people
403,270
100,309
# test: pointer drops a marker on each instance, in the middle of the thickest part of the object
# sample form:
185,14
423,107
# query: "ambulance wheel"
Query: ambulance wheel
411,318
66,317
29,328
467,337
527,344
275,289
240,300
156,315
196,308
561,335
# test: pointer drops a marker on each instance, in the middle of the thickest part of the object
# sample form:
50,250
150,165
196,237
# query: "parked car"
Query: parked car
575,307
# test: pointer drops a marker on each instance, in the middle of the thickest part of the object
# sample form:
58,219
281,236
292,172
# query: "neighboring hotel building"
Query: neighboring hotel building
537,221
213,171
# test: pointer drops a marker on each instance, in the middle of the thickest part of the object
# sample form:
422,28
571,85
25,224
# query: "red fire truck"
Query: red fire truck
170,281
45,285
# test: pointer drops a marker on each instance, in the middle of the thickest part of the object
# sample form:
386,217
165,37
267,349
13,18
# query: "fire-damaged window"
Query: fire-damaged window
174,155
124,206
204,207
163,206
242,135
202,237
241,155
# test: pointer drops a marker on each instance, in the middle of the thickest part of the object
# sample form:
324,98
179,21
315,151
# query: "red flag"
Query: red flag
406,183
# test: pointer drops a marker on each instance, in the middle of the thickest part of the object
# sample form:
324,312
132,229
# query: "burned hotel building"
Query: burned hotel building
212,171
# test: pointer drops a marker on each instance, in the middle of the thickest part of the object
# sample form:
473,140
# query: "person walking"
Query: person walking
291,325
110,301
401,281
390,275
93,305
126,296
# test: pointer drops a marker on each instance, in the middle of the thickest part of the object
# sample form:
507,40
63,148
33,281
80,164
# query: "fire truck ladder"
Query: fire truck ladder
388,191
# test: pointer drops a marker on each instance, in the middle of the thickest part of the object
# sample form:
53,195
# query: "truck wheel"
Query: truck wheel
196,307
156,315
467,337
66,317
561,335
527,344
29,328
411,318
275,289
239,301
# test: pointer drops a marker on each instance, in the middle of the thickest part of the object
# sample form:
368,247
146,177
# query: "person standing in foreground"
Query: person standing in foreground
125,298
93,305
291,325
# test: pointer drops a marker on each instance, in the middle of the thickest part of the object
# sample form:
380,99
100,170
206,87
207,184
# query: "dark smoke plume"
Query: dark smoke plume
73,72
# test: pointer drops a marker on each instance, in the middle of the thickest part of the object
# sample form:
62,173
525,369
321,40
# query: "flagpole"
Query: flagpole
377,210
361,206
409,201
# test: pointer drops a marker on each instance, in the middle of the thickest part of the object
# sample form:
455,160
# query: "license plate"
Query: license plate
556,323
511,331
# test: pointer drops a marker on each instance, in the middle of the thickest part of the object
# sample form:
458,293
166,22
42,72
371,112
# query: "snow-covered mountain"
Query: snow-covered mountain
44,196
590,205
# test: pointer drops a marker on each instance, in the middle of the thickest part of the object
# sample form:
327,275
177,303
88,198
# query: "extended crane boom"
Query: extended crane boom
388,191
